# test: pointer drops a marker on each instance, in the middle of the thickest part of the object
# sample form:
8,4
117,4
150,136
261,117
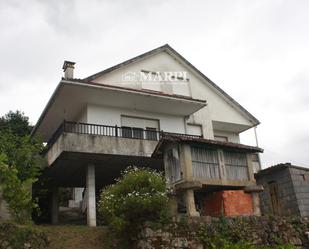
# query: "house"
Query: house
155,110
286,190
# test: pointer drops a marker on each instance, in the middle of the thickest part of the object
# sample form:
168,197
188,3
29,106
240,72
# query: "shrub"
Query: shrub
137,196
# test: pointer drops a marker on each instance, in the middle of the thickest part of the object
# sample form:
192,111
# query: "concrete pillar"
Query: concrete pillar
55,206
190,203
91,203
256,204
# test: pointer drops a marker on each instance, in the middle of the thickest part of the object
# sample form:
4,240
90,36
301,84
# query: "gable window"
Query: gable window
181,87
150,81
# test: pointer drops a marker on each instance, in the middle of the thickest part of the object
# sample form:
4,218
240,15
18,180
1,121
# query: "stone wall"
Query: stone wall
4,212
300,179
188,234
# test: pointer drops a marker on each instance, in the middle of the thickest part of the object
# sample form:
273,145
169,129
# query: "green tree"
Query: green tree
15,122
20,163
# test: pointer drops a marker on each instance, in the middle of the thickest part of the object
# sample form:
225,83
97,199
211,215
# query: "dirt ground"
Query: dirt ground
77,237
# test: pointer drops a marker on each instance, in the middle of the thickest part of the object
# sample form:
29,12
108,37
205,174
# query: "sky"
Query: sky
255,50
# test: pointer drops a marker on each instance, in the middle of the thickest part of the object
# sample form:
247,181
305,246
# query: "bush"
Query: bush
137,196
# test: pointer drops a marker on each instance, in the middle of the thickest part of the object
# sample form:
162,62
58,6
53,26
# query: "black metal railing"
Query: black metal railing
112,131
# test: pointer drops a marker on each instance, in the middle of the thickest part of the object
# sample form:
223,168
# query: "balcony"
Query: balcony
104,139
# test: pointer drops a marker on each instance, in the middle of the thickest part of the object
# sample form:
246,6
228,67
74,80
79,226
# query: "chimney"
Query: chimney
68,69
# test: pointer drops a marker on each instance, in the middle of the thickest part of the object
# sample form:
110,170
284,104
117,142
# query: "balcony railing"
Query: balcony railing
112,131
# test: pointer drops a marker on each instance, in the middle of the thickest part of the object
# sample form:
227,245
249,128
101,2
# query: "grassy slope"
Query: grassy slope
76,237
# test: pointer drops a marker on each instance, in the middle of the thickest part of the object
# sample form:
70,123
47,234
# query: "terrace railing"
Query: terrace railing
112,131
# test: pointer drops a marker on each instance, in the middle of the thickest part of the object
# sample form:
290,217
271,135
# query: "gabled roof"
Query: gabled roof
167,48
169,137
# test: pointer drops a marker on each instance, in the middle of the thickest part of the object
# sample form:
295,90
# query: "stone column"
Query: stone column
91,203
186,166
55,206
256,204
190,203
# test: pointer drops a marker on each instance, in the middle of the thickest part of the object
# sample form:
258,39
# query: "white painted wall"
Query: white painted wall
112,116
218,108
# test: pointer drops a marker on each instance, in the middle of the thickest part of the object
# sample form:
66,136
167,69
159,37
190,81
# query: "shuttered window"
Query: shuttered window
205,163
236,165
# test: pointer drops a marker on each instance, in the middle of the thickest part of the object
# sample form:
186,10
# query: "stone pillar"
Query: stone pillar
186,161
190,203
186,166
55,206
256,204
91,203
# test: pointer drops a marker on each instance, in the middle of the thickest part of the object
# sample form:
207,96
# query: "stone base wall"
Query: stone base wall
187,234
4,211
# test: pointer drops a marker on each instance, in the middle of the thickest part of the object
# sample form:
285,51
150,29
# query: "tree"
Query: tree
20,163
15,122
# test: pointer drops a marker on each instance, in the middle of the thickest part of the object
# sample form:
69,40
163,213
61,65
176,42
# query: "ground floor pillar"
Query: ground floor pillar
90,195
190,203
256,204
55,206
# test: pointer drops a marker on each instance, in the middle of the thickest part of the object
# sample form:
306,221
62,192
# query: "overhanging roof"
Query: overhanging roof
167,138
71,96
167,48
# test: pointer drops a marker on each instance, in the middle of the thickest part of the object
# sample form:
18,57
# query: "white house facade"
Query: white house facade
148,111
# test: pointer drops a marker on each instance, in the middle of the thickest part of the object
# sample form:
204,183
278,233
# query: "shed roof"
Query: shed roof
168,138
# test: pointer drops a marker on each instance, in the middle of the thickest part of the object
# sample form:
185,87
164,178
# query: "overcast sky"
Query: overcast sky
257,51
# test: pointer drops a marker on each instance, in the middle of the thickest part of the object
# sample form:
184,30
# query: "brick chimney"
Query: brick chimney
68,69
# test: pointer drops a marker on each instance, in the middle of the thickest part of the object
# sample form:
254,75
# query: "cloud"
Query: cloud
255,50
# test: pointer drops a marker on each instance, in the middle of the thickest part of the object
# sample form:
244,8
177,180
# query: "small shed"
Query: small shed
286,190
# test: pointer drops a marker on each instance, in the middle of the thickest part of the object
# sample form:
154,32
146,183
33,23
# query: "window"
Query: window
221,138
151,133
205,163
135,128
181,87
126,132
138,133
150,81
236,165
